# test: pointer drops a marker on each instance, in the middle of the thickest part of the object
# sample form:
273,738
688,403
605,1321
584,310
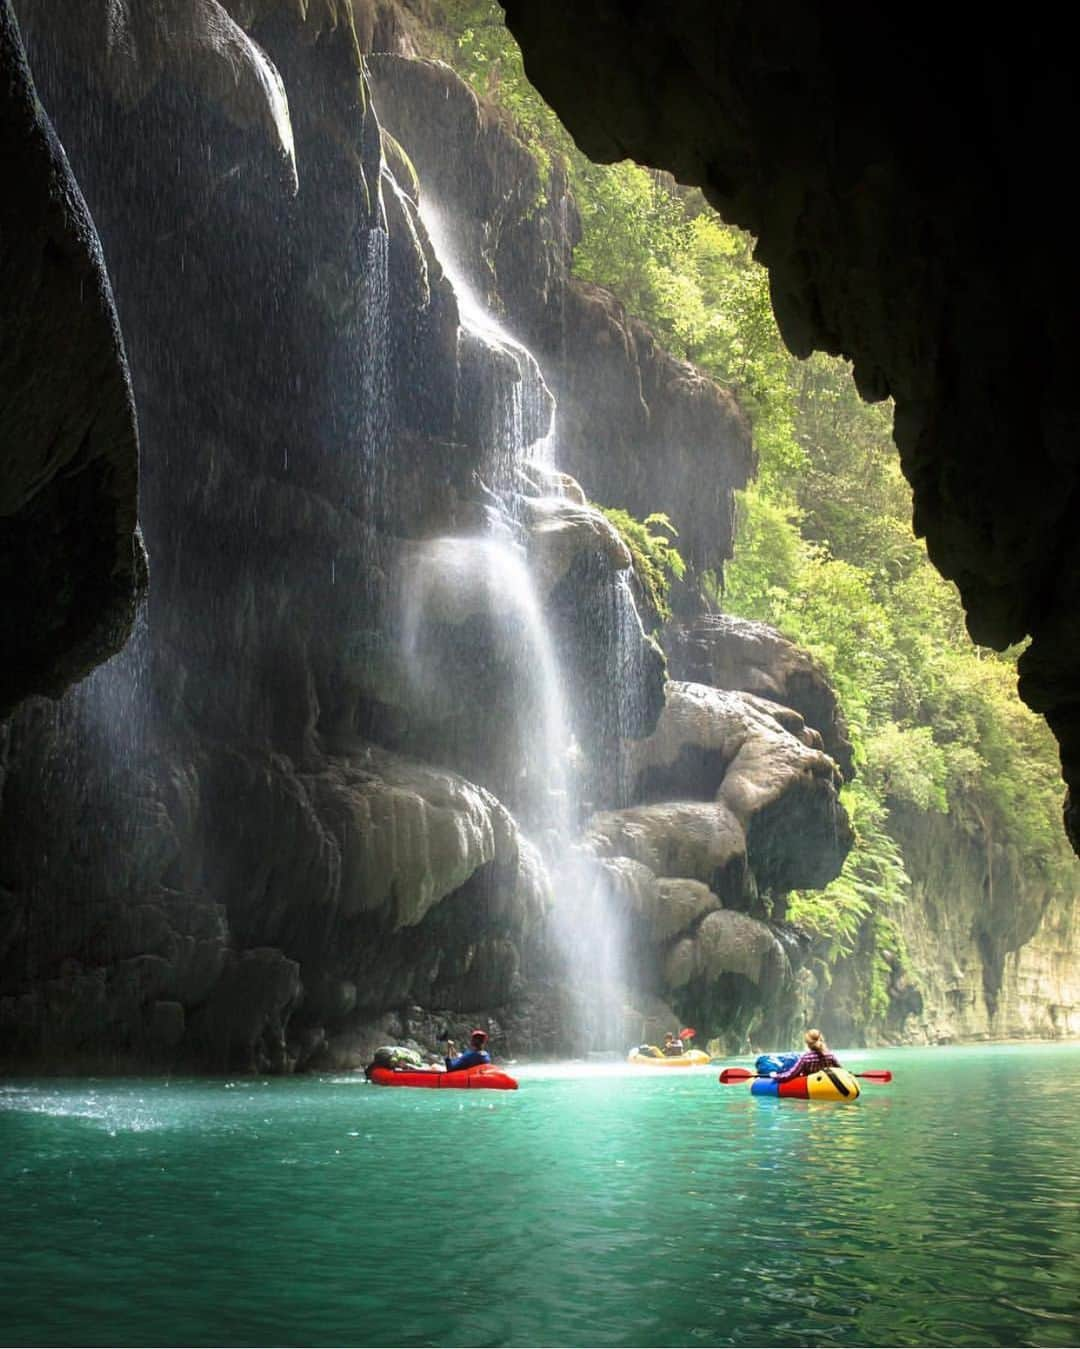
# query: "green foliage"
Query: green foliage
471,36
827,555
772,553
905,763
884,936
632,227
873,879
656,559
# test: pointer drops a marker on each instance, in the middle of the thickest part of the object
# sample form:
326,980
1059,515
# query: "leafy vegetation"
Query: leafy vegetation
656,559
873,880
824,547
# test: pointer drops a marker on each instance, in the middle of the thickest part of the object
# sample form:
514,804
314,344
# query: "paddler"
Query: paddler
816,1058
469,1058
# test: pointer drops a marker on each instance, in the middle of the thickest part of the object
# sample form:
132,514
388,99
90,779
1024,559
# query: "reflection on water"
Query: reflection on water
598,1205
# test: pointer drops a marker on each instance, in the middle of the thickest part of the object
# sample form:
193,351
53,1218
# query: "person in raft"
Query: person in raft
813,1060
470,1058
673,1046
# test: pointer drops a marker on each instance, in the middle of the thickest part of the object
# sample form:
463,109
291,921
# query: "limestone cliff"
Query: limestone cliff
643,429
983,949
204,859
293,814
738,806
734,653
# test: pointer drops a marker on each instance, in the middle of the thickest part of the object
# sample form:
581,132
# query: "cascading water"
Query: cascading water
503,390
375,363
626,647
113,702
448,578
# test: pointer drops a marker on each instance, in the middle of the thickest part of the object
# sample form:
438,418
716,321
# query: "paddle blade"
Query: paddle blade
736,1075
687,1033
880,1075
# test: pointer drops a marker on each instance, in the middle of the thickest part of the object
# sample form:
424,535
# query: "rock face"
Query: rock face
735,653
644,430
283,820
72,566
740,811
979,950
1040,994
289,821
880,219
985,951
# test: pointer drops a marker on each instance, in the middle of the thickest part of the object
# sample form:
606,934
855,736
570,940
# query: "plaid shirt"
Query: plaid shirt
809,1062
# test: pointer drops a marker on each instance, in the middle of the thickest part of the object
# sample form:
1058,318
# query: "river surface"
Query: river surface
609,1206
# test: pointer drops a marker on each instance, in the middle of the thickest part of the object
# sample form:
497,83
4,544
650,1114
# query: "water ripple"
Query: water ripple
602,1208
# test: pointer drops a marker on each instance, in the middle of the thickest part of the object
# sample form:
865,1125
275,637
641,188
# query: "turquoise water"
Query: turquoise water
623,1207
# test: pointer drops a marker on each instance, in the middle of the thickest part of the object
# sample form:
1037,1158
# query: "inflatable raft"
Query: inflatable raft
485,1077
691,1058
833,1084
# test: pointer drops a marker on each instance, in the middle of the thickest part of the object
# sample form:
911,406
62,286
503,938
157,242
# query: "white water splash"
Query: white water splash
112,1114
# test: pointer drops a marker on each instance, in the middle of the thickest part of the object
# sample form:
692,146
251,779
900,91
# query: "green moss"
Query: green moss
400,165
656,560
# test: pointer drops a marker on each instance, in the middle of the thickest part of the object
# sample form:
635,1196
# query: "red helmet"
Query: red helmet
479,1035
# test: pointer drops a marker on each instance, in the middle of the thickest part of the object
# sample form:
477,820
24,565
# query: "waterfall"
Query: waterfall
450,579
506,394
113,707
375,366
627,647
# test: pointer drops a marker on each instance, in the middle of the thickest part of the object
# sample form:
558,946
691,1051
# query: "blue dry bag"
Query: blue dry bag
774,1063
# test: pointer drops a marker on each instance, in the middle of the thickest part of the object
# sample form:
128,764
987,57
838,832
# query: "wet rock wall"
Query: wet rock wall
204,861
642,429
238,845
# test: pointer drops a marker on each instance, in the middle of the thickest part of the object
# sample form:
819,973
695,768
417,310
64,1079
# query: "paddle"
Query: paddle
744,1075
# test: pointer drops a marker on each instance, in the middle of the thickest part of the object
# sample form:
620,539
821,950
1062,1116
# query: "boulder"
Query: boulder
560,529
702,840
778,793
729,943
680,903
409,834
750,657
